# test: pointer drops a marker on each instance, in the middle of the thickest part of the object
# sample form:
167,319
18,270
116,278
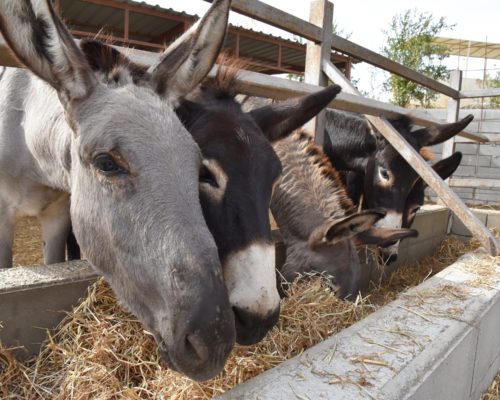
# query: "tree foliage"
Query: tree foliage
494,82
410,42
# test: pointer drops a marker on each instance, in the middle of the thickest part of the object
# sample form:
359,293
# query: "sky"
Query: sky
366,20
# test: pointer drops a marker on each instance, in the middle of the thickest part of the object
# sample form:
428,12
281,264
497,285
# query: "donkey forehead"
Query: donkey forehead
233,138
128,116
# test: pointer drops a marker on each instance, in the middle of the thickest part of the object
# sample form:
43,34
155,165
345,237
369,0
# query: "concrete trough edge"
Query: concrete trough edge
436,341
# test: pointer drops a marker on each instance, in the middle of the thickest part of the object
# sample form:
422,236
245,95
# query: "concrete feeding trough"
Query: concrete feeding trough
437,341
407,349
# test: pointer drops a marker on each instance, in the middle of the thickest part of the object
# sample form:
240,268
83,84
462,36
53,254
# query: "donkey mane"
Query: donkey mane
318,157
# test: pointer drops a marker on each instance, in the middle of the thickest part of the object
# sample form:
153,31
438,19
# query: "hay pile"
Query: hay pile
102,352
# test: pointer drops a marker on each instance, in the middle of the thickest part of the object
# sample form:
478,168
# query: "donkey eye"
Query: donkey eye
207,177
106,164
384,173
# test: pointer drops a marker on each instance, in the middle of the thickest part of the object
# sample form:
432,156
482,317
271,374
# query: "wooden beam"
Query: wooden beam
477,183
427,173
357,51
126,20
321,14
274,16
470,94
140,9
452,112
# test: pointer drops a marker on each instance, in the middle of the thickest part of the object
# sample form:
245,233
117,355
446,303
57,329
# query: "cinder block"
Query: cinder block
488,343
495,161
467,148
489,149
458,228
487,172
486,380
451,378
494,220
480,161
465,171
487,197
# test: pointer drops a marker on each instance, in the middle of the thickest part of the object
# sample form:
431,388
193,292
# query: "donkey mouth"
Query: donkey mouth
193,367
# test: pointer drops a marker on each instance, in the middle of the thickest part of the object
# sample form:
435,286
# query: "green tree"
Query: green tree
494,82
410,42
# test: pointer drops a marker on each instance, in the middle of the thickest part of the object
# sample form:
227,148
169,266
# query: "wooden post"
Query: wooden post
430,176
453,110
321,14
126,19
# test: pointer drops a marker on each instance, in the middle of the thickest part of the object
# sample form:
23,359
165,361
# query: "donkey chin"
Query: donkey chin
199,365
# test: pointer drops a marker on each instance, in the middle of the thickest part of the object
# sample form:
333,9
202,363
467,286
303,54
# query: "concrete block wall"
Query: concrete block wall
479,160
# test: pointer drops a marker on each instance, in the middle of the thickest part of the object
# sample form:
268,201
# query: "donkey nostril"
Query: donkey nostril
196,347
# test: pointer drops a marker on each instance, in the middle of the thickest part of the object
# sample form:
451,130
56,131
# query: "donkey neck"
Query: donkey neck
310,191
47,134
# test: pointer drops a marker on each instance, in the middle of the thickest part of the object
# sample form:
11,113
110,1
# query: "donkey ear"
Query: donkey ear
444,168
189,59
106,59
100,56
383,236
341,229
440,133
42,43
280,119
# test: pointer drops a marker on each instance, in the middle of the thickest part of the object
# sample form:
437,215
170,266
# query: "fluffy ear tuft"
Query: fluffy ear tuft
440,133
280,119
338,230
41,42
115,66
189,59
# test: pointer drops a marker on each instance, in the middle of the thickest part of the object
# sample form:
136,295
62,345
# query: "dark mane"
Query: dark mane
319,158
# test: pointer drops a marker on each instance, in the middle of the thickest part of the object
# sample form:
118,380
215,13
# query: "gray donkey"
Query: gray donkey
126,168
317,219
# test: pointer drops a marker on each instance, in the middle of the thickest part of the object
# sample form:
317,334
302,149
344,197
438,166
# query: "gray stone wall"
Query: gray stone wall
479,160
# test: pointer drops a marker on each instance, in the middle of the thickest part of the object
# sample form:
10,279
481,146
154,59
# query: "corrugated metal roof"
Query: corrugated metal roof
471,48
164,24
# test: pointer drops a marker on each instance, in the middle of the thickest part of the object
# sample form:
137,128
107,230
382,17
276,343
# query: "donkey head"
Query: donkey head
134,182
332,247
241,169
389,179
